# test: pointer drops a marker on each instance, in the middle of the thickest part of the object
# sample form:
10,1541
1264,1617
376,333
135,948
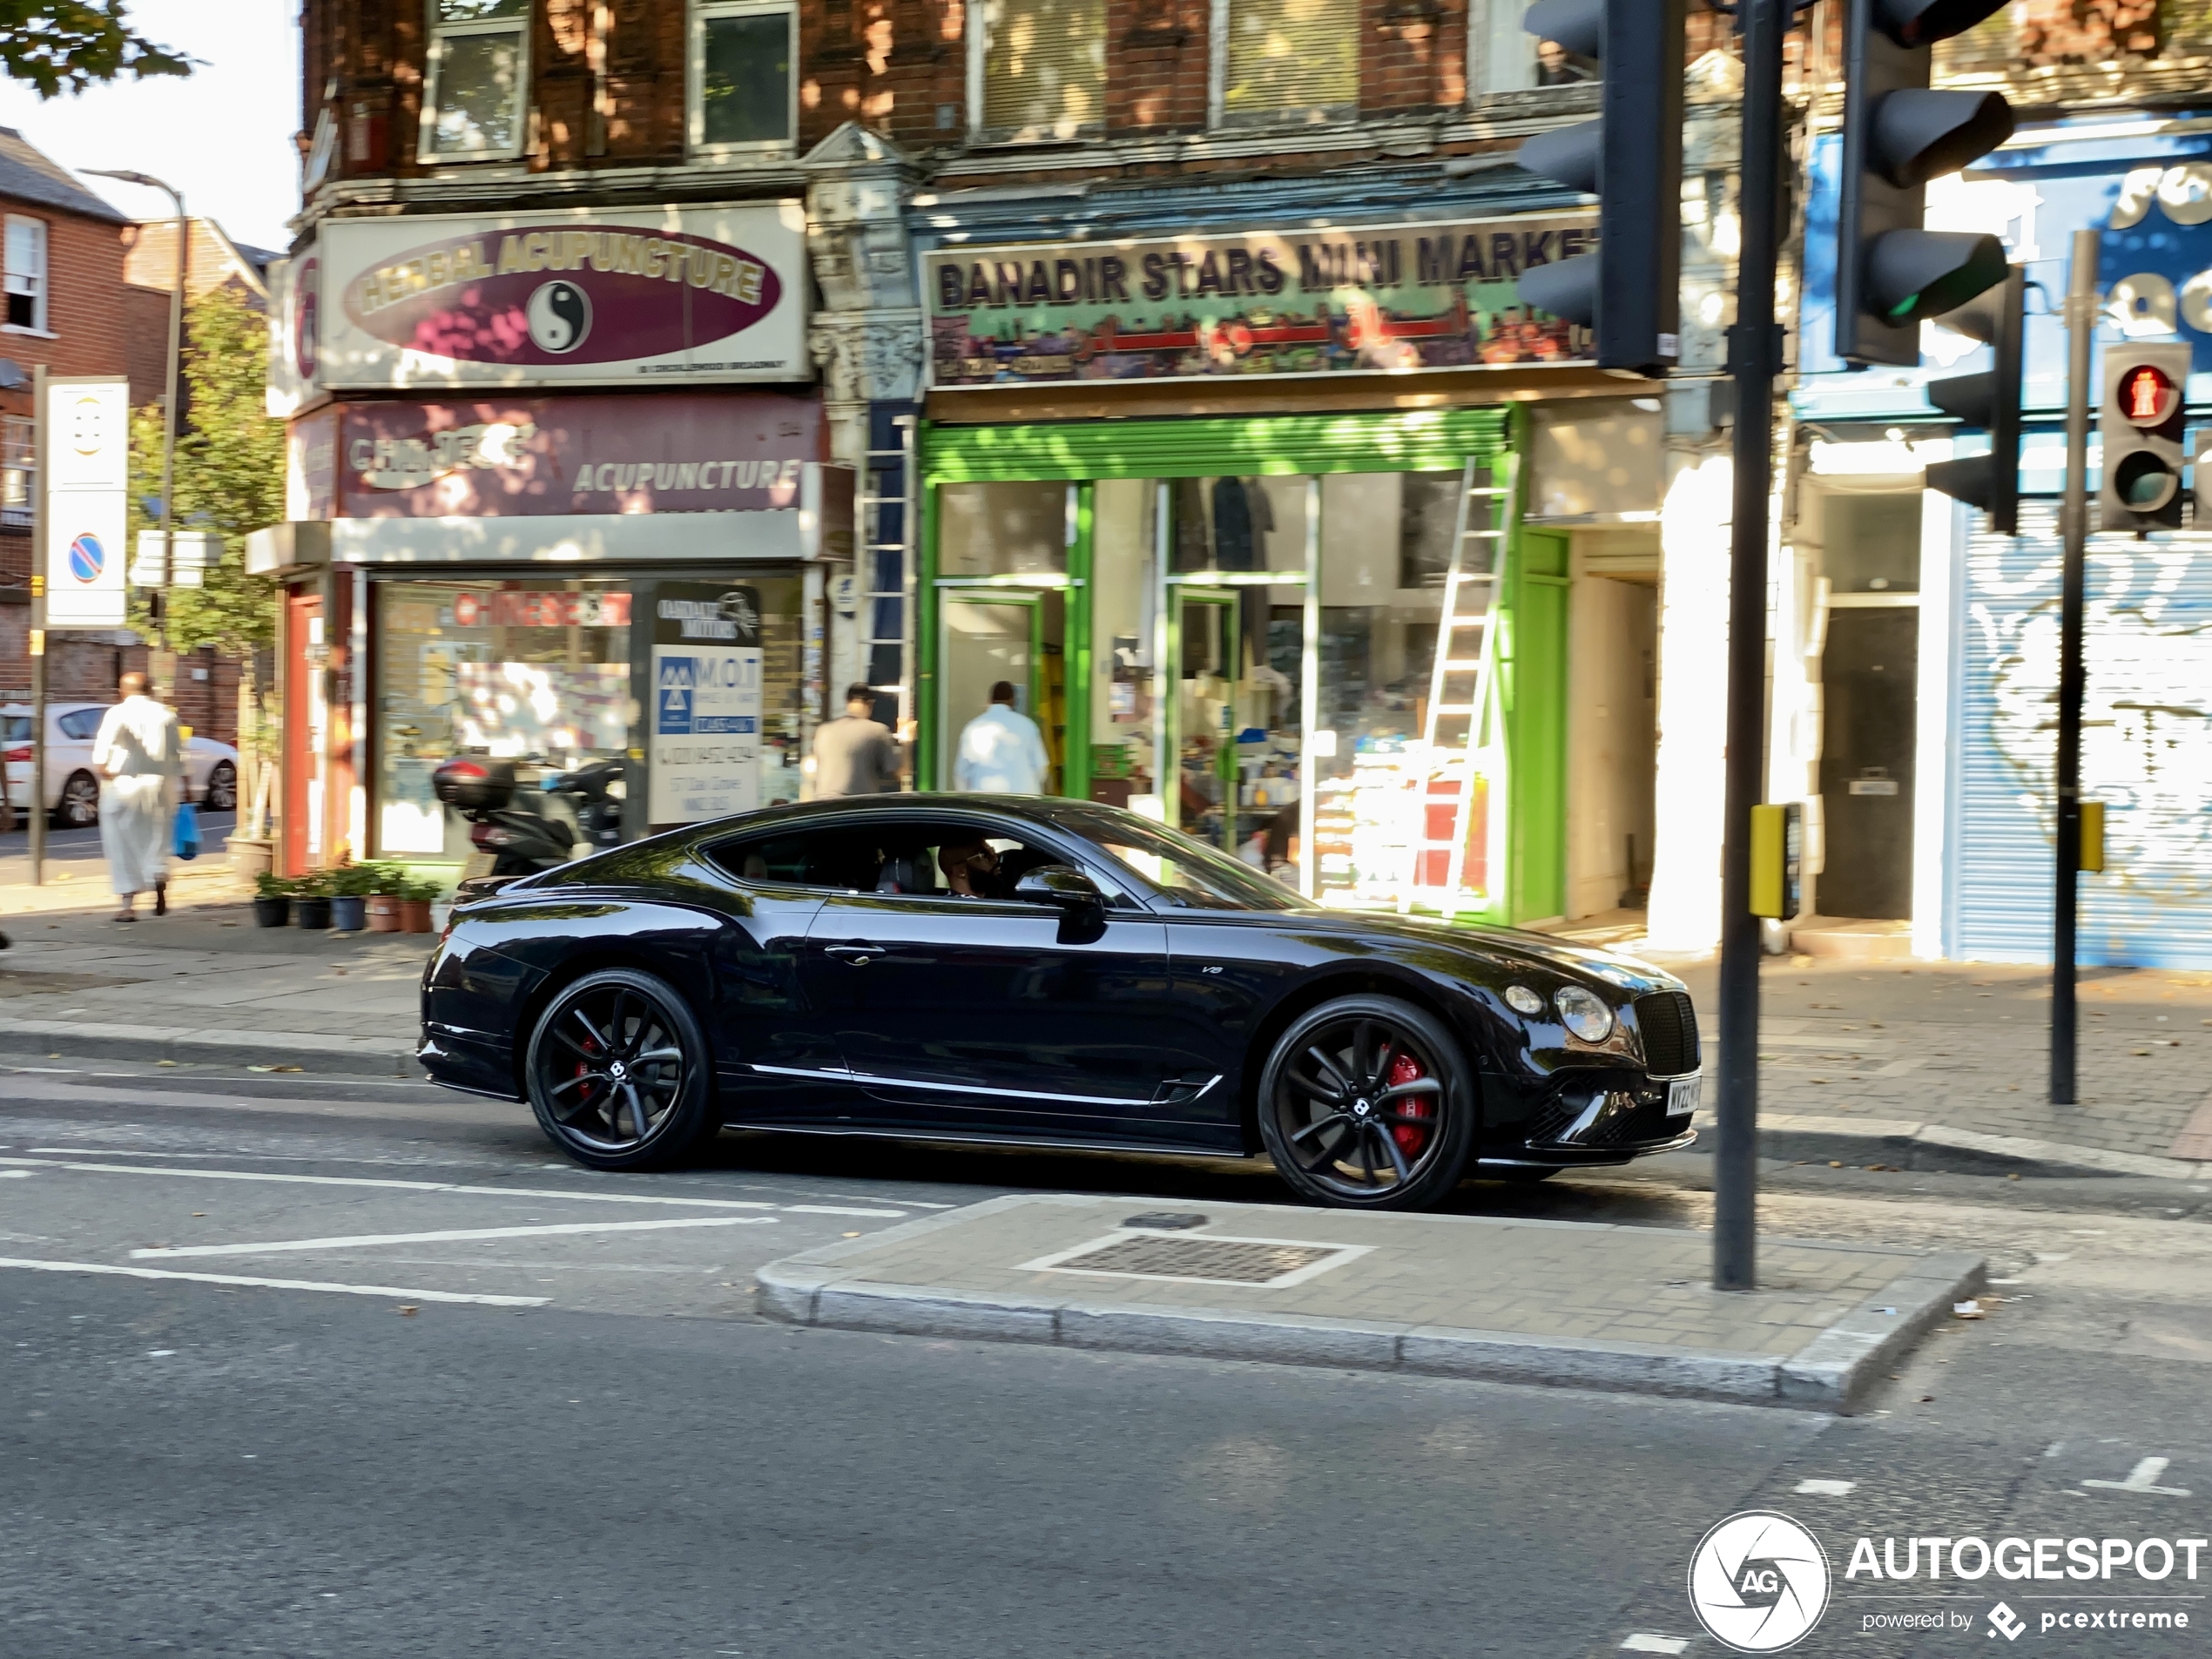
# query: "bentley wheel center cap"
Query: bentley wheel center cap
618,1071
1360,1109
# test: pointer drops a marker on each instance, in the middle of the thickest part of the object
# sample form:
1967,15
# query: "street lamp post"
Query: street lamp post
160,605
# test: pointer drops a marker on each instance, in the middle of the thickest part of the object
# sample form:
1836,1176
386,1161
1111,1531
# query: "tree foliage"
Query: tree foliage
229,475
57,44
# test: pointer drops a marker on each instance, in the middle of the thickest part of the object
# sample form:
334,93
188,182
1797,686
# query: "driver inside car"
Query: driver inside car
971,868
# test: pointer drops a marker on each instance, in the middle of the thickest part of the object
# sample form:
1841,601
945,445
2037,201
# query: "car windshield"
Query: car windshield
1187,872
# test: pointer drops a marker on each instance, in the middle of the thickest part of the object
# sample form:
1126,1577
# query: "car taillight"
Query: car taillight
21,753
467,769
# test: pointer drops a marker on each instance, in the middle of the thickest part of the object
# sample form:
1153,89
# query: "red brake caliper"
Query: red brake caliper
1410,1137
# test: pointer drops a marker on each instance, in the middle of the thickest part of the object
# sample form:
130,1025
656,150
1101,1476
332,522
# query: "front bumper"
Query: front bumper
1609,1117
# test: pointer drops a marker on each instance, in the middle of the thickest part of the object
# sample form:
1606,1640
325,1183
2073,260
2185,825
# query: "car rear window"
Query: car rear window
17,729
81,723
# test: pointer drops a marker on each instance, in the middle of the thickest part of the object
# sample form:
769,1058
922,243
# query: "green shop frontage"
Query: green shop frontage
1327,644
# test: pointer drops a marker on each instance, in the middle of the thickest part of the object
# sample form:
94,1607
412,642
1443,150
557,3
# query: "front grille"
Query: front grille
1669,1022
1647,1122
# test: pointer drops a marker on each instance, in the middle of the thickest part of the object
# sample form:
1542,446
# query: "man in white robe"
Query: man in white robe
139,756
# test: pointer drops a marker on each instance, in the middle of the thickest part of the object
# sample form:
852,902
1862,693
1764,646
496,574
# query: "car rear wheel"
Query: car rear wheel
222,788
619,1072
79,806
1367,1103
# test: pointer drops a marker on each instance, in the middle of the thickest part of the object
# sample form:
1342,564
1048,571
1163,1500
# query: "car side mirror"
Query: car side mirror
1060,885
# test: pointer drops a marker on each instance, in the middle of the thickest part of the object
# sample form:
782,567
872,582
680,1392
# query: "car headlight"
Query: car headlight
1585,1015
1521,1000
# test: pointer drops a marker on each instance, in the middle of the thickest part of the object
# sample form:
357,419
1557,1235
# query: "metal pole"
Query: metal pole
2074,530
1754,351
166,692
40,521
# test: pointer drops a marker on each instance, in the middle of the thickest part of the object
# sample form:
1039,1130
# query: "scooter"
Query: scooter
509,840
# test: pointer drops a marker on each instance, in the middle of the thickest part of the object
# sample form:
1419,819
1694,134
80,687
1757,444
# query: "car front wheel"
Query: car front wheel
619,1072
79,806
1368,1102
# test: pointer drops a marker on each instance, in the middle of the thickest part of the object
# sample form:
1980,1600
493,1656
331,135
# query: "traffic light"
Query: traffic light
1990,400
2140,426
1892,274
1629,291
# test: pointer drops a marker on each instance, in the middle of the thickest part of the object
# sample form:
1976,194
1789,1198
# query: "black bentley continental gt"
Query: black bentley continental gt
1050,973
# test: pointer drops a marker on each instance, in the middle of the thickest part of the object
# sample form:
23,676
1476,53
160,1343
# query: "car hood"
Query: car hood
1491,944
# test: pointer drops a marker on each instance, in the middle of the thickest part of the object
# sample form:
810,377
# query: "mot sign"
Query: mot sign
87,426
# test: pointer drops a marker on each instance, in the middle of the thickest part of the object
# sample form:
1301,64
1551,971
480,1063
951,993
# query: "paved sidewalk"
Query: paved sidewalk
204,984
1587,1306
1953,1057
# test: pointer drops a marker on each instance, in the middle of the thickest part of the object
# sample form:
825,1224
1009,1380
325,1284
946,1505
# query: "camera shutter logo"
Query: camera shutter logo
1758,1582
559,316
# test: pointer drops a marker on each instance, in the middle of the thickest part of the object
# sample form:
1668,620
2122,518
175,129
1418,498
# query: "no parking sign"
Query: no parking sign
87,441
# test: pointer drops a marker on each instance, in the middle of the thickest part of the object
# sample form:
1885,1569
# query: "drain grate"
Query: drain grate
1199,1260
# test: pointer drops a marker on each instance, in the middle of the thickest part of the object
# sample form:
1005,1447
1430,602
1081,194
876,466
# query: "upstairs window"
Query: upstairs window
743,84
1503,56
27,274
1043,68
476,107
1289,61
18,469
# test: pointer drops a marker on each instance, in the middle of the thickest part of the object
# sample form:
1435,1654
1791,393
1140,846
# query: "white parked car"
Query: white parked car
73,788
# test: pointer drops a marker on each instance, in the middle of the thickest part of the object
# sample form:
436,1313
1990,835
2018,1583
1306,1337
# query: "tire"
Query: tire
78,806
620,1074
1367,1103
222,794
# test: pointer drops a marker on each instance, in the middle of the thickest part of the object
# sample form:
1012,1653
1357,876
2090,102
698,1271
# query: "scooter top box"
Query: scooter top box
474,783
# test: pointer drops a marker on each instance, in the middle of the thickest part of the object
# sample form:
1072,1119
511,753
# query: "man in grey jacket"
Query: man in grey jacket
855,754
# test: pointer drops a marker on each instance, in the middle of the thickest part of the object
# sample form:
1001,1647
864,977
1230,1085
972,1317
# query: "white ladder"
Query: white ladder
1461,681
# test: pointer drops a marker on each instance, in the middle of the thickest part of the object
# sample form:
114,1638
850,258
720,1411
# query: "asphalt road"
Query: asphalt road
604,1452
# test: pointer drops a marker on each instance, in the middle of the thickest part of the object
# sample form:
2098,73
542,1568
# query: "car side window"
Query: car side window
844,859
81,723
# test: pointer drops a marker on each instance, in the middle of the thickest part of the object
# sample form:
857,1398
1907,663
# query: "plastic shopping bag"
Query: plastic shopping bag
187,832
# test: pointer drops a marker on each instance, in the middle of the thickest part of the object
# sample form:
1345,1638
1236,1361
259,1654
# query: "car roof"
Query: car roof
1051,810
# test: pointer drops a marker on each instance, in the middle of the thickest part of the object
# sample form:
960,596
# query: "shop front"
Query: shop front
459,594
1278,534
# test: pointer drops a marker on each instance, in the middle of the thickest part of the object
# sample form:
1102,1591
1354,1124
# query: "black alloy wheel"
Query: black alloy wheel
619,1072
222,788
79,807
1367,1103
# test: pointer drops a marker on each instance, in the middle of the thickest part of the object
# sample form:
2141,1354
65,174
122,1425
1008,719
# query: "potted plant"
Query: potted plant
311,901
415,900
385,893
349,890
271,901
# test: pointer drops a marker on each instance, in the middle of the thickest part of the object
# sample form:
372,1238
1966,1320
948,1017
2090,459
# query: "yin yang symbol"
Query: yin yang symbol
559,316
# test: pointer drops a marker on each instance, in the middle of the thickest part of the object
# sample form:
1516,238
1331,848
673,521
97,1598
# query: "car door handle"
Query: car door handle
856,955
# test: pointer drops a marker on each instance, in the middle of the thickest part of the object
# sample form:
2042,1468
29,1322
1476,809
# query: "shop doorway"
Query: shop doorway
1205,655
987,638
1612,726
1871,679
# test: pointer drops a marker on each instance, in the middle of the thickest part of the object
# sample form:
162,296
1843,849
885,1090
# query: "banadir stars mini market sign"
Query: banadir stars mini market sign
1384,299
594,298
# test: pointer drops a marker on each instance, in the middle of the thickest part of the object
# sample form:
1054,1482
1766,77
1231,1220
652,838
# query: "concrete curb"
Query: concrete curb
1911,1144
353,1056
1827,1374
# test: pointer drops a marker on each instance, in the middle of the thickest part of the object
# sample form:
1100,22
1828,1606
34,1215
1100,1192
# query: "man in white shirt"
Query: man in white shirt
1001,752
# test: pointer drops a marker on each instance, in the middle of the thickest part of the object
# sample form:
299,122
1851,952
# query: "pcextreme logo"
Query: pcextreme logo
1758,1582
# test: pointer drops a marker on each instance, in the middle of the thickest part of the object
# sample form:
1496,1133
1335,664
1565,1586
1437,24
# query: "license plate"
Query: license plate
1683,1094
478,864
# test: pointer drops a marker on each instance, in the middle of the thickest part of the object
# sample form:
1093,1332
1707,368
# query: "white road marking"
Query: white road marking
14,1175
37,1266
1641,1643
356,1241
835,1210
400,1186
2141,1479
1827,1488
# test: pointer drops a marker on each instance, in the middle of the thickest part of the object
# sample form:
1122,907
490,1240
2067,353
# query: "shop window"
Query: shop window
26,285
1503,56
1288,61
18,474
1870,544
1002,530
476,104
1041,65
743,84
